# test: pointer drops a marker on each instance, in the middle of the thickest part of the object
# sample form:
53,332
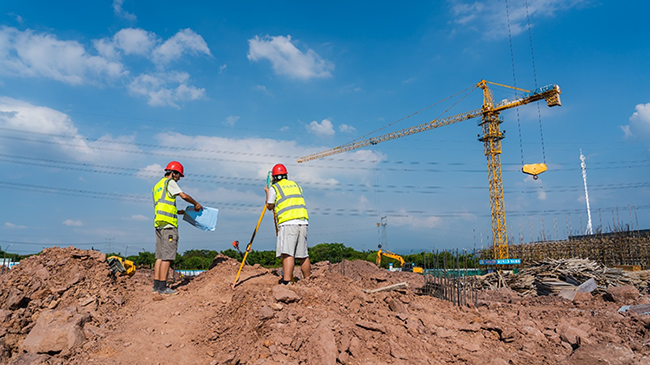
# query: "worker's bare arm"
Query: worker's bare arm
191,200
269,206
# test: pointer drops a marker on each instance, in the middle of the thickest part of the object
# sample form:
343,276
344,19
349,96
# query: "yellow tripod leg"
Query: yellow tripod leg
248,248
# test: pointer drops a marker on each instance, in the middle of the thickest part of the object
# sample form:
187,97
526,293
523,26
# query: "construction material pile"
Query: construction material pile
551,276
327,318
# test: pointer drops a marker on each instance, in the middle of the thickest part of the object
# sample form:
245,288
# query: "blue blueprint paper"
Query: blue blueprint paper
206,219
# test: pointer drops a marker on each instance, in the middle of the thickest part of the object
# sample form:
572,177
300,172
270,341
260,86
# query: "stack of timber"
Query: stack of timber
550,276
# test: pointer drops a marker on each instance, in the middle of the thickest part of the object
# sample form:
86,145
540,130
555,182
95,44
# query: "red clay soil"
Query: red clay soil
64,307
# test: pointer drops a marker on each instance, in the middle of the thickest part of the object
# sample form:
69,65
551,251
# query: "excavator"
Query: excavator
406,266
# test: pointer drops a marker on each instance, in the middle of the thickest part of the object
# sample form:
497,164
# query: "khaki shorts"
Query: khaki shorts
166,243
292,241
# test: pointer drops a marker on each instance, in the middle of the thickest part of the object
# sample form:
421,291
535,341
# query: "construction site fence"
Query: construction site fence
453,278
7,263
455,273
608,250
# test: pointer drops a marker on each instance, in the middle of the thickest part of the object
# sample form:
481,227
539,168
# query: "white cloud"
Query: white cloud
166,89
284,129
323,128
262,88
135,41
186,41
14,226
19,19
639,126
626,131
139,217
59,133
287,60
151,173
71,223
350,88
346,128
538,184
403,219
31,54
222,68
489,16
231,120
254,159
117,9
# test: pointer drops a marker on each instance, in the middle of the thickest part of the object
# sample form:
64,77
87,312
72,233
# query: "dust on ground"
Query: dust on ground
64,307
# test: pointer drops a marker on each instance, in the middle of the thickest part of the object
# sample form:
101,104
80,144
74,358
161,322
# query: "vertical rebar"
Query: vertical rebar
465,279
443,281
457,278
475,288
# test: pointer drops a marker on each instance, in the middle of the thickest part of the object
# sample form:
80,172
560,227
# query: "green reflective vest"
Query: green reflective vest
289,203
164,206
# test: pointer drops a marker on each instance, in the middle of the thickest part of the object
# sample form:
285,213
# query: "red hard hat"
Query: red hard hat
175,166
279,169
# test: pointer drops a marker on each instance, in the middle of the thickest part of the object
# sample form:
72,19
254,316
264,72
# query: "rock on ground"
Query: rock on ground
324,319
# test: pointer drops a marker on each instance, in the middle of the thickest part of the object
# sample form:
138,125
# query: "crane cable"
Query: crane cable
512,58
532,55
514,80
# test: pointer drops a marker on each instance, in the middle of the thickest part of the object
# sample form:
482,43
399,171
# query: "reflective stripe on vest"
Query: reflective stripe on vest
289,202
164,206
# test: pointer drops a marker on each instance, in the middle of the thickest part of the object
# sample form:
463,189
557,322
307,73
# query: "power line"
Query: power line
120,170
239,153
317,210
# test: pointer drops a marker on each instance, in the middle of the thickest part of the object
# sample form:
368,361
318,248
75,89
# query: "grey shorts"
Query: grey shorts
166,243
292,241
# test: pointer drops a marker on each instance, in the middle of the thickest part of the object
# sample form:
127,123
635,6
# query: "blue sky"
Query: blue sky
97,97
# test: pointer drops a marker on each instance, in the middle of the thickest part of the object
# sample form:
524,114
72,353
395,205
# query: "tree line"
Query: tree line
332,252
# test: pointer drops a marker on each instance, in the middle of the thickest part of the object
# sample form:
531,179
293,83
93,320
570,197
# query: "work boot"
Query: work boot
167,291
284,282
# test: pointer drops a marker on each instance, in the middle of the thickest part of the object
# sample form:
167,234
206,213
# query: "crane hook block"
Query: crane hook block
534,169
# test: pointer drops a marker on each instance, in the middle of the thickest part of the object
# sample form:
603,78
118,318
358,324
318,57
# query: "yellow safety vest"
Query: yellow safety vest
289,203
164,206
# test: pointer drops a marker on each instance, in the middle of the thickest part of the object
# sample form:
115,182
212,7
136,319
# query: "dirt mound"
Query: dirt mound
324,319
70,278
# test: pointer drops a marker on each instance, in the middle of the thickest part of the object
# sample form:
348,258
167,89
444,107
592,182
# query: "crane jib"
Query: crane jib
551,93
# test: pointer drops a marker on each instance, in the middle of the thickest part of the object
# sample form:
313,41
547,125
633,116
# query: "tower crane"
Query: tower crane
491,138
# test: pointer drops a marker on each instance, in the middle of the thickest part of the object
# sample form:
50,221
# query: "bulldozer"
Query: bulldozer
405,266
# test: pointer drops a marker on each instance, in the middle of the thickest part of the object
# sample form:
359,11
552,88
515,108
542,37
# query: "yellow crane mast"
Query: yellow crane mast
491,138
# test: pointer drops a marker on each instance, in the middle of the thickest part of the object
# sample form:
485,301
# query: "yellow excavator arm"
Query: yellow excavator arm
391,255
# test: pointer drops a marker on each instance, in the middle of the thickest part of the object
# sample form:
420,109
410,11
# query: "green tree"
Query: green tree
210,254
232,254
144,259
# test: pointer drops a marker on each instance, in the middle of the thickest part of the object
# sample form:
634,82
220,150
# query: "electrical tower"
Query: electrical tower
583,165
382,231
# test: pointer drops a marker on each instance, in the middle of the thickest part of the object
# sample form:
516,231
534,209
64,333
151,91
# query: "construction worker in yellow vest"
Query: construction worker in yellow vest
166,223
286,199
